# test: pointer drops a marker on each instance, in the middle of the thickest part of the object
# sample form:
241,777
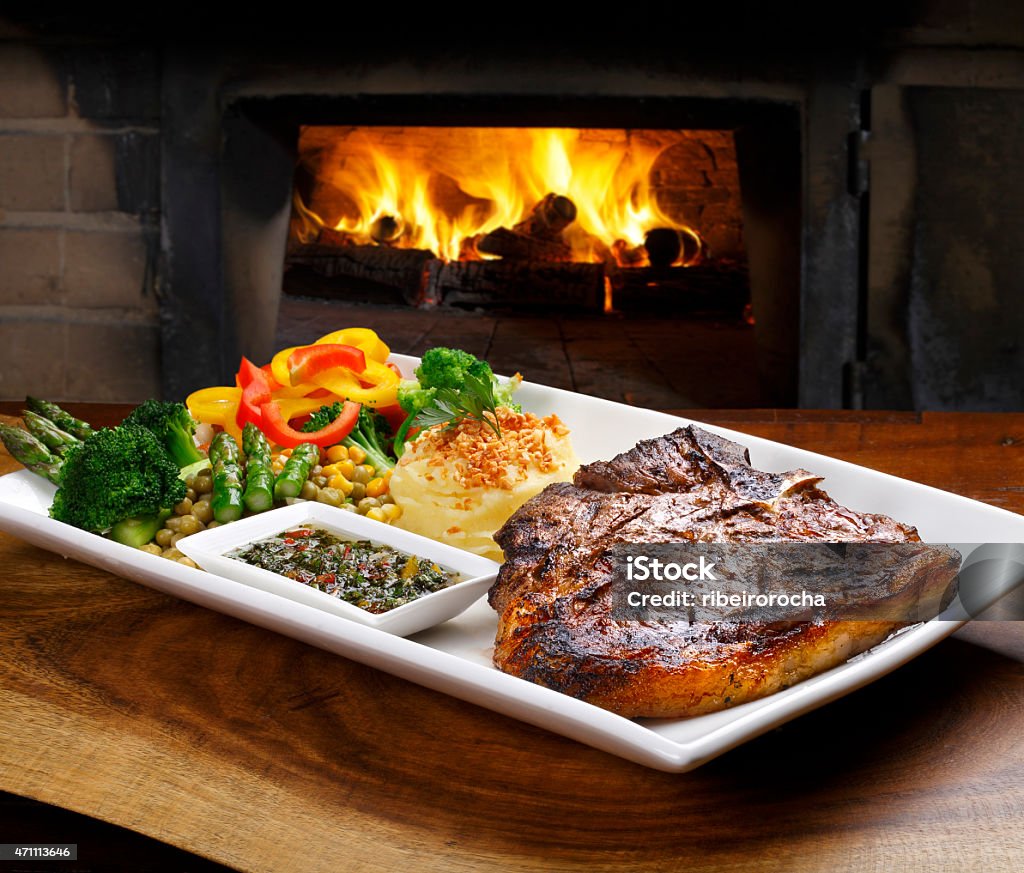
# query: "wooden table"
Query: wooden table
267,754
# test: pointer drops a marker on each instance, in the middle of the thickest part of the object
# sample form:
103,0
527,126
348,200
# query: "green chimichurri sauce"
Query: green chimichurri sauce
375,578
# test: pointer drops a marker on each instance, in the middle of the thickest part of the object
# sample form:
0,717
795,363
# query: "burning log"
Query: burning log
538,237
516,283
386,230
507,243
626,255
665,245
548,218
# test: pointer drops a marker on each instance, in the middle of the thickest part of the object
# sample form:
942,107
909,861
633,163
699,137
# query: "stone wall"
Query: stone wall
79,222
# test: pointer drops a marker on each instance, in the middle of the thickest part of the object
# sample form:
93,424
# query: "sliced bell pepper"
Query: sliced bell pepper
299,407
362,338
306,363
217,405
256,390
278,430
279,365
279,370
247,371
373,393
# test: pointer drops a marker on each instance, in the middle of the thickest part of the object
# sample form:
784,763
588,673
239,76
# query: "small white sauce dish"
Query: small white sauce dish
209,550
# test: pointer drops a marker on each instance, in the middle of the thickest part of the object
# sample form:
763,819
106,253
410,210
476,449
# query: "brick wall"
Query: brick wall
79,222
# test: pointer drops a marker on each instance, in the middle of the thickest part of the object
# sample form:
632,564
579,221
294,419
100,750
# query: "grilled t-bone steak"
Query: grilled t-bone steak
554,600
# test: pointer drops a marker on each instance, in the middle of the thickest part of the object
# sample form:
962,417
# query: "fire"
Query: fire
372,187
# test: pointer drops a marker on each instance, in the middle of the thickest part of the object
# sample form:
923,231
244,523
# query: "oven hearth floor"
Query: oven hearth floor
659,363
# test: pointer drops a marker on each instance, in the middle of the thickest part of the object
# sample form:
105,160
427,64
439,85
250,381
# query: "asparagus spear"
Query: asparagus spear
259,478
296,471
31,452
63,419
227,478
51,436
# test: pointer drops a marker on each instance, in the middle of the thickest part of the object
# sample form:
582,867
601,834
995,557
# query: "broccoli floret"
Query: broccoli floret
443,368
322,417
371,434
172,425
116,474
447,368
412,397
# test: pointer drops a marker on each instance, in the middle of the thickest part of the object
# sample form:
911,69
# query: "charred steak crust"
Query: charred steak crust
553,593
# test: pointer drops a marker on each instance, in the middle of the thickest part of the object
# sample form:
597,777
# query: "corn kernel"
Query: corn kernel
337,453
330,470
356,455
377,514
286,452
341,483
346,468
392,511
386,475
376,487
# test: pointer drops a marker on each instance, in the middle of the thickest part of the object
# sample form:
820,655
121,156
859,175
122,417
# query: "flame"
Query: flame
479,180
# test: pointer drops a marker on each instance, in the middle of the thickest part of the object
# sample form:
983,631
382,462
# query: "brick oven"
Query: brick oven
147,191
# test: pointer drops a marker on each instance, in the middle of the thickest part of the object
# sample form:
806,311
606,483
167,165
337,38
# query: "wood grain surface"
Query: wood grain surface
266,754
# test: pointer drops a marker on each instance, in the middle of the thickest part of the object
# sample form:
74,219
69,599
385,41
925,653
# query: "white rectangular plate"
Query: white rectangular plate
455,657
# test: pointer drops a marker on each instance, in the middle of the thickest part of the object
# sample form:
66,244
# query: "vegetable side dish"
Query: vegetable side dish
324,422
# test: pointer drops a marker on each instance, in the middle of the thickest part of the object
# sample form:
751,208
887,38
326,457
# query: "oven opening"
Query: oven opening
520,218
647,251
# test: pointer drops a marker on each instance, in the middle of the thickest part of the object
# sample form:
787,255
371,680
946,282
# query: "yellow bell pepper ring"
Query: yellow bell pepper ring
295,407
362,338
346,385
279,366
217,405
379,375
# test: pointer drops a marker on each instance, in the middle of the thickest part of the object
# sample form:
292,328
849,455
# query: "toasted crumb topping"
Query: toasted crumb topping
474,456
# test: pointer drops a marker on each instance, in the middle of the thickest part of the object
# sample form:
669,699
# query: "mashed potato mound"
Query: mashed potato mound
460,485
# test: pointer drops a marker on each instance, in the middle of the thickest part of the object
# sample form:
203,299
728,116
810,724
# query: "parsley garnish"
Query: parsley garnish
450,406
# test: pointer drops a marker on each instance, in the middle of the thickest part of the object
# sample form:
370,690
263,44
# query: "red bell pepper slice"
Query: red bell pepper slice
281,432
256,390
247,371
309,361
